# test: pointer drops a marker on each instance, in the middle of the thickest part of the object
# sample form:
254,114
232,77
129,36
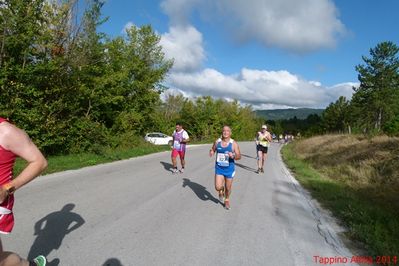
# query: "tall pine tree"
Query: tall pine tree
375,102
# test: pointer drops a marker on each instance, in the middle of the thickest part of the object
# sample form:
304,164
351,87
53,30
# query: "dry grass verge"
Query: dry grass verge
358,179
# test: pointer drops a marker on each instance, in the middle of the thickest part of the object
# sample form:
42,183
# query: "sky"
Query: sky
267,53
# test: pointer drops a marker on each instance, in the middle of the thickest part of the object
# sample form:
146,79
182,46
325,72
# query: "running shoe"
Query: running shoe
262,170
182,170
258,171
39,261
227,204
175,171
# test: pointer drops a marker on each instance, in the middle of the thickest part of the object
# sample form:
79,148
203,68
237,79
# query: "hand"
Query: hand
3,194
211,153
231,155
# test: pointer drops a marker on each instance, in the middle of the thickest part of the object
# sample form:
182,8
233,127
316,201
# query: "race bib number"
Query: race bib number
176,145
222,159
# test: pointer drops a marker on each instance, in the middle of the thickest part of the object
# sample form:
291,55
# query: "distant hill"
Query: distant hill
279,114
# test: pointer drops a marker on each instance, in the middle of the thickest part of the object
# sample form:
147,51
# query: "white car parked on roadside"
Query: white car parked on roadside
158,138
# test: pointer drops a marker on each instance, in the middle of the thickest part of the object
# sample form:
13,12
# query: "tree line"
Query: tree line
374,107
74,89
204,117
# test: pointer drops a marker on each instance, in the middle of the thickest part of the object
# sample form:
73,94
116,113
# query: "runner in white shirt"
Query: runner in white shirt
180,138
263,140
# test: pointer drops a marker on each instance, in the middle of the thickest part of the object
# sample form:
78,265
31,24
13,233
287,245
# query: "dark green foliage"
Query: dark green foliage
204,117
373,109
309,126
375,104
376,101
76,90
392,127
336,116
67,85
284,114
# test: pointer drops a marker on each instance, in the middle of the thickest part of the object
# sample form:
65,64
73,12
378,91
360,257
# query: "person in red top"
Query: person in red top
14,142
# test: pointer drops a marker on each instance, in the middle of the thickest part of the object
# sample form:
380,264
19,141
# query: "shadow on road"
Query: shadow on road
244,155
167,166
246,167
51,230
199,190
112,262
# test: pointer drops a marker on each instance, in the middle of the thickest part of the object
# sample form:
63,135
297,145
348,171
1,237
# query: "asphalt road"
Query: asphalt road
136,212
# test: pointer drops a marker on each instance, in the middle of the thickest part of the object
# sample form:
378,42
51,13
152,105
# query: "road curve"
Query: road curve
136,212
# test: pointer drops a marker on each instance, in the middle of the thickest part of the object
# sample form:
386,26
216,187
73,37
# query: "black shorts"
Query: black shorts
261,148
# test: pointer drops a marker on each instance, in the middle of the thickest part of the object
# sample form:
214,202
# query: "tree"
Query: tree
142,64
70,86
376,101
336,116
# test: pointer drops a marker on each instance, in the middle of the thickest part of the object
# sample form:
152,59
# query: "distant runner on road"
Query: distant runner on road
15,142
227,151
180,139
263,139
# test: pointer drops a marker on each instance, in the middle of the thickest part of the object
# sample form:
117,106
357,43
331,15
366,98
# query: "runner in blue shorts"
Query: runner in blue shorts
227,151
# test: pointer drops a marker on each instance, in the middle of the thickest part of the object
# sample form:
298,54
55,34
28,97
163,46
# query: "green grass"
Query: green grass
371,222
76,161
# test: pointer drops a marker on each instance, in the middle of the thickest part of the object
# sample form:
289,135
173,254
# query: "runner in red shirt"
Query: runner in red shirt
15,142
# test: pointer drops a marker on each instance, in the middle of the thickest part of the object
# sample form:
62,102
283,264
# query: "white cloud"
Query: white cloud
184,44
179,10
127,26
262,89
270,107
297,26
342,89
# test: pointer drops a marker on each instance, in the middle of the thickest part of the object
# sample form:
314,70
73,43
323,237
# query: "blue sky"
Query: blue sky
267,53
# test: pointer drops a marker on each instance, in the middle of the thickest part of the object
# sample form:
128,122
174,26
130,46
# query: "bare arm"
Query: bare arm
212,150
186,138
269,137
18,142
257,138
236,150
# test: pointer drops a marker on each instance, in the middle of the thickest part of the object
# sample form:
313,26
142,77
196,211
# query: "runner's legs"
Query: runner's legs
264,159
260,159
182,160
173,157
228,184
219,183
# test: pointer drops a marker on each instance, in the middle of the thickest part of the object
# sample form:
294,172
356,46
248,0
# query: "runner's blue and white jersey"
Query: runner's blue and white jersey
224,164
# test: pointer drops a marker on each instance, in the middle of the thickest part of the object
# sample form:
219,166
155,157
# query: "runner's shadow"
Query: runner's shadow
199,190
112,262
248,156
51,230
246,167
167,166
